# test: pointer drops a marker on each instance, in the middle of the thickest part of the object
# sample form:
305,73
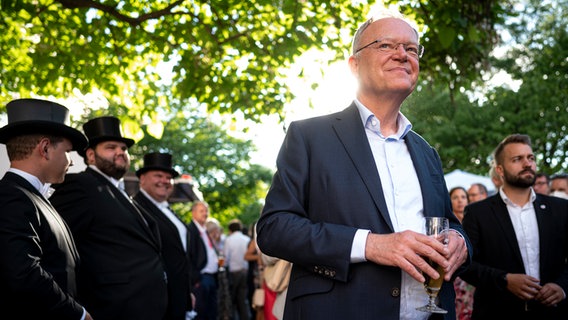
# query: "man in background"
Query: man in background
156,186
476,192
235,248
205,263
495,178
559,185
122,274
542,183
520,243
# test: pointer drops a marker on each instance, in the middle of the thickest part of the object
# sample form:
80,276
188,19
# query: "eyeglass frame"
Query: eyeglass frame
420,47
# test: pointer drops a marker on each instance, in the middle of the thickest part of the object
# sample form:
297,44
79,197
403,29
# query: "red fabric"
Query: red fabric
269,298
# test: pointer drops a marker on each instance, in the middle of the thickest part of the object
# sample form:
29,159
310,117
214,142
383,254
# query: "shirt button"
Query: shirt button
395,292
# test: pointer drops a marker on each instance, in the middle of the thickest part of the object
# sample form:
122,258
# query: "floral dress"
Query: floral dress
464,299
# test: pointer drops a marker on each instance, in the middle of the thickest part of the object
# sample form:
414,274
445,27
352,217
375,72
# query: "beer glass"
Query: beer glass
436,227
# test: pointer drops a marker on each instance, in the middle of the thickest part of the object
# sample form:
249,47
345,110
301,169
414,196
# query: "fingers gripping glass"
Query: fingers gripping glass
438,228
414,50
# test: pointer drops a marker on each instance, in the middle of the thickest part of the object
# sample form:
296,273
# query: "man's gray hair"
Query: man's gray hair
381,14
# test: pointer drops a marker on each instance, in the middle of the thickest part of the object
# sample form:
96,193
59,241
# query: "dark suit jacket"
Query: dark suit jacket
122,274
496,252
197,253
176,259
326,187
38,257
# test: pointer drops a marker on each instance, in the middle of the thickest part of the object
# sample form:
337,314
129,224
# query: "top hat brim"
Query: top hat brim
20,128
94,141
171,171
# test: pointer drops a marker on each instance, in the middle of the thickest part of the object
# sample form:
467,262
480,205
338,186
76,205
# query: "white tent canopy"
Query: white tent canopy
459,178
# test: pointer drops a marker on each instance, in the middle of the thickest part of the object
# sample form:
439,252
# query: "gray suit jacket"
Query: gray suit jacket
326,187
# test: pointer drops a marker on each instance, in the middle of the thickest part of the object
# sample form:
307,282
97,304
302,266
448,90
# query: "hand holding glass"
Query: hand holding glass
436,227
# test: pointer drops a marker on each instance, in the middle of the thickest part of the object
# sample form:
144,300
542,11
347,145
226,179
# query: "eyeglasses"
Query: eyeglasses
413,50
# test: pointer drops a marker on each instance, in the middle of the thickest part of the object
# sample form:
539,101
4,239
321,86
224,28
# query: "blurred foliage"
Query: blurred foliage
466,131
228,55
458,36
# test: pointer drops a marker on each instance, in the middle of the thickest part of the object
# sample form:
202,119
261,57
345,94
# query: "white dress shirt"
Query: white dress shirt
212,265
526,230
236,246
165,208
403,196
42,188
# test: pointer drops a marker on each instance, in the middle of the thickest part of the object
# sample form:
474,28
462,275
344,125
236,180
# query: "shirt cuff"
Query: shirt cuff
84,314
358,246
458,233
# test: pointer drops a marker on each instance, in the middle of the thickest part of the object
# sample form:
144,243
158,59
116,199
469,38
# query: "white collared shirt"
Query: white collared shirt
119,184
42,188
236,245
164,207
526,231
212,265
403,197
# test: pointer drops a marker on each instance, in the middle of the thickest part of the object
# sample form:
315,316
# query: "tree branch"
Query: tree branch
74,4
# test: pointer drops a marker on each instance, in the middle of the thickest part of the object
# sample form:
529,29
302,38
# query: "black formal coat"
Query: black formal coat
496,252
176,259
327,186
38,258
197,253
122,274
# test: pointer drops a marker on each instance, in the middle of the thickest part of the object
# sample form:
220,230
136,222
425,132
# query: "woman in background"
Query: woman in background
464,290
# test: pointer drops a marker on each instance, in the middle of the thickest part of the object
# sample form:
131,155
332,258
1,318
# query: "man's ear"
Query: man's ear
90,155
499,170
43,147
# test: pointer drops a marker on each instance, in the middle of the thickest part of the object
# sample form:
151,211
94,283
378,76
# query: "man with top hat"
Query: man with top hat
38,259
155,188
122,274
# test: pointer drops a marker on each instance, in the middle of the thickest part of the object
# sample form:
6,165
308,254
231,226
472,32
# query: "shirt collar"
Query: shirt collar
510,203
404,125
116,183
200,227
161,205
42,188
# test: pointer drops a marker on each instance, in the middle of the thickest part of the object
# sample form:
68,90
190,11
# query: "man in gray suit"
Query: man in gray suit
348,203
122,273
38,259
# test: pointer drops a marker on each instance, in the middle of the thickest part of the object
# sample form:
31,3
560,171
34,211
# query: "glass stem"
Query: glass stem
432,302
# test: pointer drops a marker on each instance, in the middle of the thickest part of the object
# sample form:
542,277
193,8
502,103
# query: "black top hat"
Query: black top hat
157,161
31,116
104,129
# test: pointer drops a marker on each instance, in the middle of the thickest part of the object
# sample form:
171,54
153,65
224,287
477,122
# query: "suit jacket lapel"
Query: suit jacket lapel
49,213
421,170
145,221
351,133
506,226
544,222
157,214
424,174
